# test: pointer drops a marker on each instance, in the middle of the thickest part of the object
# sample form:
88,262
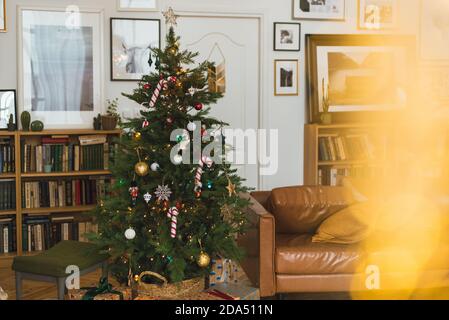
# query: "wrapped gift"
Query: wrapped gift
104,291
3,294
232,291
224,271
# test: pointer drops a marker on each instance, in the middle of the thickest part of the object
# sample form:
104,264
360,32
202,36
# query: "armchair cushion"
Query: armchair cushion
298,255
300,210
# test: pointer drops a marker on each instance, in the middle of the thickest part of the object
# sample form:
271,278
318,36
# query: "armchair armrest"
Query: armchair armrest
259,243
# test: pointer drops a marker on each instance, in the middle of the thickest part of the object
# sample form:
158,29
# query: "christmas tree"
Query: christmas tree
167,214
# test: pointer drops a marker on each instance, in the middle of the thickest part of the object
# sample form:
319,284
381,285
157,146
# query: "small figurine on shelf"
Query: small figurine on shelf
326,116
25,119
37,126
11,123
112,117
97,122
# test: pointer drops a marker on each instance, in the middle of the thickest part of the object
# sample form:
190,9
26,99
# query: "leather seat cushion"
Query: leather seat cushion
300,210
298,255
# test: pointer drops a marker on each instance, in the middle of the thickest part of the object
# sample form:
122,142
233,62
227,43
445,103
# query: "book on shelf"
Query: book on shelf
63,193
65,156
7,156
40,233
7,235
7,195
350,147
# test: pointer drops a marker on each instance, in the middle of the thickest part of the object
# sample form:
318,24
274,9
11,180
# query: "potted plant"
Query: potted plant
326,116
110,120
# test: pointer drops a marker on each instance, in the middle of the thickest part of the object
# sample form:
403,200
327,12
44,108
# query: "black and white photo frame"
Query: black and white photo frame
287,36
131,43
8,107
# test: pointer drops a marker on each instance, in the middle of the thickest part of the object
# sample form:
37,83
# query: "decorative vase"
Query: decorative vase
37,126
326,118
25,119
109,122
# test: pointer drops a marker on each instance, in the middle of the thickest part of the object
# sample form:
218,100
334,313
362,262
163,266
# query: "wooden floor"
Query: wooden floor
33,290
44,291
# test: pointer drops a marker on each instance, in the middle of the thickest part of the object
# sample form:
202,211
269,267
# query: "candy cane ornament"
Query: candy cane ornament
173,215
162,85
199,172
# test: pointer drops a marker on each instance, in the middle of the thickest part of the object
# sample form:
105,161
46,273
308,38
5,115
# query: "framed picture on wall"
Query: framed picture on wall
137,5
8,107
378,14
287,36
434,30
131,43
286,77
362,75
60,63
2,15
319,9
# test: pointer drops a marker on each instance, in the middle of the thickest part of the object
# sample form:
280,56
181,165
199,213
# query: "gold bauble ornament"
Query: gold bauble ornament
136,278
137,136
142,169
203,260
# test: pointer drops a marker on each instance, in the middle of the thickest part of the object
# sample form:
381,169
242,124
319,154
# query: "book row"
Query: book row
349,147
7,156
41,233
7,194
63,193
329,176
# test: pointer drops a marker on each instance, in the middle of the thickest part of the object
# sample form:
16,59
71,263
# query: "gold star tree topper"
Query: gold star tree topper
170,17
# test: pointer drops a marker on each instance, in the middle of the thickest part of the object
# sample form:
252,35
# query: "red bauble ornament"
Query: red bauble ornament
178,205
198,194
147,86
203,132
199,106
170,120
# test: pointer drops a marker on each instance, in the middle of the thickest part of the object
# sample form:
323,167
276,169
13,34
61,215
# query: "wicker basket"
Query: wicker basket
167,290
109,122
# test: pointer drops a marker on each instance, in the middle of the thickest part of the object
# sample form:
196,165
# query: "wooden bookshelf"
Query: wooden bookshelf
312,135
18,137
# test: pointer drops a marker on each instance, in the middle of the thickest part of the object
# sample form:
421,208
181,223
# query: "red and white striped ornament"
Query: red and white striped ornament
173,215
205,161
162,85
145,123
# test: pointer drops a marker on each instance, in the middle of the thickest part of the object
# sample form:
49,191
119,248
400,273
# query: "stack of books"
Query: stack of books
354,147
60,154
63,193
333,176
7,194
7,235
7,156
43,232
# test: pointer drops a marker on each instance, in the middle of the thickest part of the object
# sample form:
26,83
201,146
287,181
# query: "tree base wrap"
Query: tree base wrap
104,291
236,291
200,296
169,290
224,271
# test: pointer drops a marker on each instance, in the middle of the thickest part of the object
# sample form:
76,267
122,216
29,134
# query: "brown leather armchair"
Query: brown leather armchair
281,257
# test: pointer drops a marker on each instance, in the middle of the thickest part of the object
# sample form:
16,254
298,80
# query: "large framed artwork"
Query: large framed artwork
8,107
319,9
2,15
131,44
362,75
137,5
378,14
61,65
286,77
434,30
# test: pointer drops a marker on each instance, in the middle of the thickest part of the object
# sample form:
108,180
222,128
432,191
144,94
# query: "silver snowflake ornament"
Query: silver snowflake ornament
192,91
147,197
163,193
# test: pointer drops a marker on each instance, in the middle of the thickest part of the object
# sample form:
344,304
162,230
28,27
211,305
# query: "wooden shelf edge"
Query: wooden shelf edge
8,212
58,210
69,132
7,175
66,174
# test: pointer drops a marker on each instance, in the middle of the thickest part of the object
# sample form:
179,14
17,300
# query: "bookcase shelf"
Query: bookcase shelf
338,137
73,209
66,174
16,139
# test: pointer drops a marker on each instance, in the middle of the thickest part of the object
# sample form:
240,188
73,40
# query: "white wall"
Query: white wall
284,113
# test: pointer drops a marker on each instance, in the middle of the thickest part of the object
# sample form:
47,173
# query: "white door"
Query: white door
233,44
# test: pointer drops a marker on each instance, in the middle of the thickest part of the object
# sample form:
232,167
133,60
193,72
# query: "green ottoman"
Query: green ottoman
50,266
